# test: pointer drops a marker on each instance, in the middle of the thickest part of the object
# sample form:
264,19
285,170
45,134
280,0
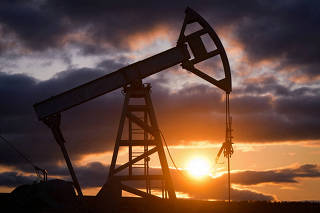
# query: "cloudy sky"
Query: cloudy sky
47,47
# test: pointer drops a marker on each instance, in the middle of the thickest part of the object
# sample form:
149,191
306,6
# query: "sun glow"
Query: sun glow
199,167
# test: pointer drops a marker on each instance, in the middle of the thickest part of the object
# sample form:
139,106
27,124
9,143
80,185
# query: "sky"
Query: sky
47,47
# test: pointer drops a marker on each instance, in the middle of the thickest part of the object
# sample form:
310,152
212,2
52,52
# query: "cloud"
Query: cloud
272,30
265,107
40,25
20,126
281,118
95,175
35,26
282,31
288,175
213,188
13,179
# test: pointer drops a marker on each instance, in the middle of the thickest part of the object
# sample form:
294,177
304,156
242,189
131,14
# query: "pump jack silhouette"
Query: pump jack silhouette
141,119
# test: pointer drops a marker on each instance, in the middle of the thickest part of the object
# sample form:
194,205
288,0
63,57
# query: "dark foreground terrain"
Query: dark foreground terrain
140,205
193,206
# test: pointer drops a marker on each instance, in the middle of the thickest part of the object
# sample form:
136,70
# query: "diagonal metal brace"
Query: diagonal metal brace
141,123
53,122
133,161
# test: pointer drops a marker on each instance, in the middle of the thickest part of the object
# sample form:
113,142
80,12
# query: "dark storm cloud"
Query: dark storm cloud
36,26
91,127
19,124
301,107
251,104
43,24
277,30
112,65
114,21
91,175
276,176
268,113
288,29
13,179
264,86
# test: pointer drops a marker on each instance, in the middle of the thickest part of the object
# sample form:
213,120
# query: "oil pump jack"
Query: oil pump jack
141,119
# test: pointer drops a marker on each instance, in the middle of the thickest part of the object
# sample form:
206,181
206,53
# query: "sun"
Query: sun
198,167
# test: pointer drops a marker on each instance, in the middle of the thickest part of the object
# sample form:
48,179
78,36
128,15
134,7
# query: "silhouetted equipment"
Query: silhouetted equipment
51,196
226,147
143,140
143,130
41,173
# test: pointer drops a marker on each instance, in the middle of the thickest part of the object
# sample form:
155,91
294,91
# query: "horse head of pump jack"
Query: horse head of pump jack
49,111
200,52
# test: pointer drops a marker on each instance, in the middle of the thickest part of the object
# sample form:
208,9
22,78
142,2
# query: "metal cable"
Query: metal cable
174,164
36,168
16,150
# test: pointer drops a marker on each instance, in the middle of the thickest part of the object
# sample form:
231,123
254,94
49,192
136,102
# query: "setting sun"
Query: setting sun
198,167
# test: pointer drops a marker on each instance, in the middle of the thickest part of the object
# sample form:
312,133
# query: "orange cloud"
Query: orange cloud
140,40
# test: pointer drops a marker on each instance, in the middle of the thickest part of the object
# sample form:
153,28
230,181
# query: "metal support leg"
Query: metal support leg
143,133
162,156
53,122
